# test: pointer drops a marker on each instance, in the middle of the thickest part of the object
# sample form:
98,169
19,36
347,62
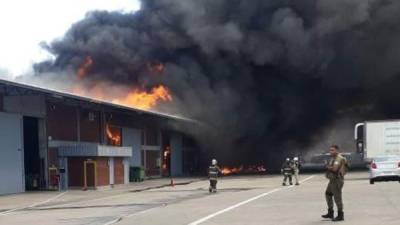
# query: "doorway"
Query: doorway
89,171
31,153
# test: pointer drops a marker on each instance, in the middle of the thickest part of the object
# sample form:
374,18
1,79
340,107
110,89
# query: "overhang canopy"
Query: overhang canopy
86,149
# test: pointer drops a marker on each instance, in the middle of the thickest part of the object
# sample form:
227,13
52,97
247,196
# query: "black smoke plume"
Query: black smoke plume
263,75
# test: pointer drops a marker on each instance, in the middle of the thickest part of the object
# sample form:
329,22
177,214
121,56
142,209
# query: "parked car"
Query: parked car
384,168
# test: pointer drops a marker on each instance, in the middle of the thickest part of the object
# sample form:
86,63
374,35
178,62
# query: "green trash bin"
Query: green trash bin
136,174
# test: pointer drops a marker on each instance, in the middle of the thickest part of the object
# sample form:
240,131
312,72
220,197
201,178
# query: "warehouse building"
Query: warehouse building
50,139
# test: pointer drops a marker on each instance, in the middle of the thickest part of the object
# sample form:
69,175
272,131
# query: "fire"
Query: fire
120,94
113,136
166,156
242,169
145,100
83,69
231,170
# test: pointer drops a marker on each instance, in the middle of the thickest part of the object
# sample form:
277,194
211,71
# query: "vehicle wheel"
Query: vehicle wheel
371,181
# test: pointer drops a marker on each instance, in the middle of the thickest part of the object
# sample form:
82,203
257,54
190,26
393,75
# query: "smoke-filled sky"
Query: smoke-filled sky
264,76
24,24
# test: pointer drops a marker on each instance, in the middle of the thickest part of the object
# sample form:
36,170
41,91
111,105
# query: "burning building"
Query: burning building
265,76
49,137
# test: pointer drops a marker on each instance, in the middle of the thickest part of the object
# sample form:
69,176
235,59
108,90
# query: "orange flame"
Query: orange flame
242,169
83,69
231,170
145,100
114,137
135,98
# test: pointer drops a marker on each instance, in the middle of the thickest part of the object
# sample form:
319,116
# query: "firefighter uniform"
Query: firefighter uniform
296,168
213,171
288,171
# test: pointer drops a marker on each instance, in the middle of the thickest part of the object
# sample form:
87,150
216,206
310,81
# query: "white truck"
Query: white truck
378,138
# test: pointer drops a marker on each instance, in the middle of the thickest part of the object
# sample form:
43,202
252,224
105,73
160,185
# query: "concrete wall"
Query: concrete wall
126,170
132,137
176,154
111,166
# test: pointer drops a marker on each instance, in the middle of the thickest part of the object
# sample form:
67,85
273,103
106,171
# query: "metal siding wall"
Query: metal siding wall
132,138
11,154
62,122
26,105
89,130
176,155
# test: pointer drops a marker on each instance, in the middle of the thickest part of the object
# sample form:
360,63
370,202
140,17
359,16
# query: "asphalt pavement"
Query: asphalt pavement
240,200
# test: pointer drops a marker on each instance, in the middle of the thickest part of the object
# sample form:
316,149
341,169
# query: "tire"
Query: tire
371,181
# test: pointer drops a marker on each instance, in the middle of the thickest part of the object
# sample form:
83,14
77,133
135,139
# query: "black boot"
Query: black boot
340,216
329,215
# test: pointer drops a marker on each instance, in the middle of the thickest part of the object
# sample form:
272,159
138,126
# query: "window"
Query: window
114,135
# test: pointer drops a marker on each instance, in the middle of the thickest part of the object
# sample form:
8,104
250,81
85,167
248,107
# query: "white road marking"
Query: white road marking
202,220
8,212
131,215
48,200
84,202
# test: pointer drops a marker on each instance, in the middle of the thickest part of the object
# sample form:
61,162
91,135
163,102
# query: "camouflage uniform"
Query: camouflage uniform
336,182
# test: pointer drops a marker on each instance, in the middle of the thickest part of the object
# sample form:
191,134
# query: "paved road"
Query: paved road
241,200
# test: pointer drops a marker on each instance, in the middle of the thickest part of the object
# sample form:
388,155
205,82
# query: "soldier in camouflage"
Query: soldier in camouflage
336,170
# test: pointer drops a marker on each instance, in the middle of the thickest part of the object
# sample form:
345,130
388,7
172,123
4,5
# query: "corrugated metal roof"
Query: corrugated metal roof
57,93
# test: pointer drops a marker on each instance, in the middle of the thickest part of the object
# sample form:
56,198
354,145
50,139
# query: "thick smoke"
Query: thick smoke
263,75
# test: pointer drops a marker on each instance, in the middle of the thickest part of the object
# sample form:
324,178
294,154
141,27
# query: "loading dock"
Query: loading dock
47,136
33,170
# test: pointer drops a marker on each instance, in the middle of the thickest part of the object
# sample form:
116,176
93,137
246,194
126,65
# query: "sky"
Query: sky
25,24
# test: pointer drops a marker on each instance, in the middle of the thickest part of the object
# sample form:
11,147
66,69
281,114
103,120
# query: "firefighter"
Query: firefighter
213,171
287,171
296,167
